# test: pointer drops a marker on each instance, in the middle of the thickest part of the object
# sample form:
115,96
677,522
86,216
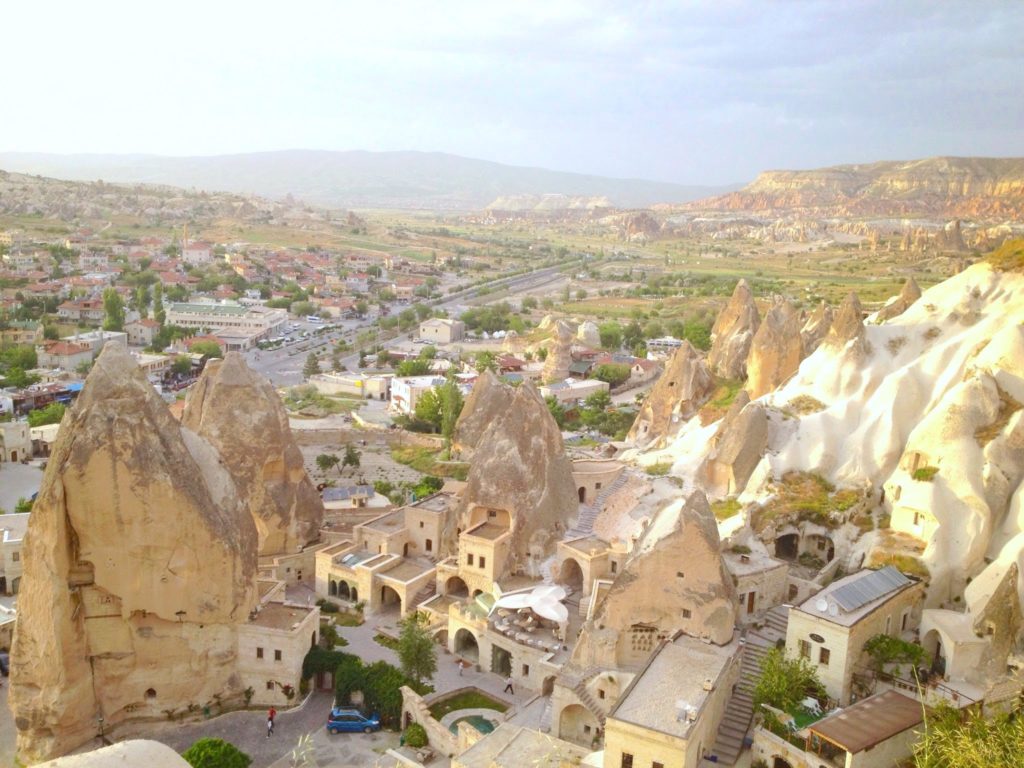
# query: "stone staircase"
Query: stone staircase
740,710
545,717
588,512
425,594
589,701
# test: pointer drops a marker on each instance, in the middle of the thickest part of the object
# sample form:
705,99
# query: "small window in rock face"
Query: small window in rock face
687,613
151,693
680,574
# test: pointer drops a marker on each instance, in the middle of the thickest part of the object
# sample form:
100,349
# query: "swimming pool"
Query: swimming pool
479,722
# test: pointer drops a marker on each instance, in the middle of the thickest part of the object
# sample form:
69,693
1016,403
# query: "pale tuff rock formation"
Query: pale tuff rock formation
675,579
675,398
136,752
847,330
556,366
588,334
776,350
520,470
816,327
737,447
733,333
139,563
901,303
490,399
240,414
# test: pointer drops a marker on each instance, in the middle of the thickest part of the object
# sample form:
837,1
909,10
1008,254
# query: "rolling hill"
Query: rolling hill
389,180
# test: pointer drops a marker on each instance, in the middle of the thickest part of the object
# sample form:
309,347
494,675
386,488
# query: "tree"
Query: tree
485,361
351,457
953,739
611,335
786,682
632,334
428,408
529,302
556,410
312,366
362,307
113,310
215,753
142,301
613,373
429,352
51,414
208,349
416,651
22,506
422,311
450,397
158,304
50,332
417,367
303,308
182,365
327,460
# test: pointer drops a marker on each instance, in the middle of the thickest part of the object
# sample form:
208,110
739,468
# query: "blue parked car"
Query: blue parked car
351,720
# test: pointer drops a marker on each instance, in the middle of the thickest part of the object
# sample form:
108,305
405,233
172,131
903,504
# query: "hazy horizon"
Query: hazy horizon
705,93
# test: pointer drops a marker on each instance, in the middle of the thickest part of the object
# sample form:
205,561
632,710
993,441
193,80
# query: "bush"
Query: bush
925,474
415,736
785,682
215,753
660,469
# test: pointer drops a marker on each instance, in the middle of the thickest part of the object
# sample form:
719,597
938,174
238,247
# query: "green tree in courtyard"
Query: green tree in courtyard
417,653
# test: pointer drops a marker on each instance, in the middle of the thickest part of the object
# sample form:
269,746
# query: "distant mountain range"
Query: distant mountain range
954,187
395,180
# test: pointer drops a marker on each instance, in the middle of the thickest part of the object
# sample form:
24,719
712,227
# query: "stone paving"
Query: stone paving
17,481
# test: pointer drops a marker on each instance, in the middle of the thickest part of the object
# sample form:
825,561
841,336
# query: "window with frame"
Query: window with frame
277,655
627,760
270,685
469,559
823,656
483,561
259,653
805,649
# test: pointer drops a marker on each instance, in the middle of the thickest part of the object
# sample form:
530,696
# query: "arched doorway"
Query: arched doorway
781,762
14,456
787,547
389,598
332,589
571,575
548,686
466,645
477,592
353,594
343,590
582,493
456,587
578,725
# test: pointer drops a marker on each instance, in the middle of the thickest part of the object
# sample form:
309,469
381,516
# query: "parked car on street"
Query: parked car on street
347,719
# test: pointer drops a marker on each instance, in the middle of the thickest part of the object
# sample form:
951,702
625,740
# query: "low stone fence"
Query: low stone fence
416,710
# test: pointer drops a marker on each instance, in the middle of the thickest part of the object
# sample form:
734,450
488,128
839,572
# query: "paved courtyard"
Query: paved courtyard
17,481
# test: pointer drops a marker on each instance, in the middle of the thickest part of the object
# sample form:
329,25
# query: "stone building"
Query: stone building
831,628
670,713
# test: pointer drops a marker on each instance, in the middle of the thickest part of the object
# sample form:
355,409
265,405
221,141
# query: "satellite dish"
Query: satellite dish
833,610
821,604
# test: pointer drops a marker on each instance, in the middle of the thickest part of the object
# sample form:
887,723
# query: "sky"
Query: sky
689,92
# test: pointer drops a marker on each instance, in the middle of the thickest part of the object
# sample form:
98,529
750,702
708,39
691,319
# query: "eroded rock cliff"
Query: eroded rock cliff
240,414
674,579
776,350
139,562
901,303
733,333
679,392
488,401
520,470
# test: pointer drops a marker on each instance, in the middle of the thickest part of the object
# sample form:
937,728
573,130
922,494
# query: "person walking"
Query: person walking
508,685
460,667
270,726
